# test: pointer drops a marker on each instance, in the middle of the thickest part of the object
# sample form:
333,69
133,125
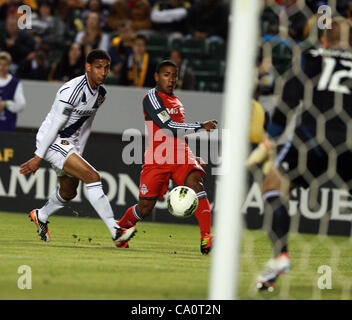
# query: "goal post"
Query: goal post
239,80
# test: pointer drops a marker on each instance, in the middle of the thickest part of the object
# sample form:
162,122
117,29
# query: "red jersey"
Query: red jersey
164,116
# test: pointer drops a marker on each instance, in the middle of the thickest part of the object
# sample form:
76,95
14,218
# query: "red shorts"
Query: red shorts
154,181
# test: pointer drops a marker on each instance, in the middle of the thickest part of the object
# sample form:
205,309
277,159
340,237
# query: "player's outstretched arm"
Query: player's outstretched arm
156,112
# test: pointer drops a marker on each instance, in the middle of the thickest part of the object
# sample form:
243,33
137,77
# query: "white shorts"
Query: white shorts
57,154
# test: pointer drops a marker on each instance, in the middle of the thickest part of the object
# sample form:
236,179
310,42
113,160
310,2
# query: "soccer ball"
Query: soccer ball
182,202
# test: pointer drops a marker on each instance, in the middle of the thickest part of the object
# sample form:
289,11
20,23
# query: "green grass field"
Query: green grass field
163,262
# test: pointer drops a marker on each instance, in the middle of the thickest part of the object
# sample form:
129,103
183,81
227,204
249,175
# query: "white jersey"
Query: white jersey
71,115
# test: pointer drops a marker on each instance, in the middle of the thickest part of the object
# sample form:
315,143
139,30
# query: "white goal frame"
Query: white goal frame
239,82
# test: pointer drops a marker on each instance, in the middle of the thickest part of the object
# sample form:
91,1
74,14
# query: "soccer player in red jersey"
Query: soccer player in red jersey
168,154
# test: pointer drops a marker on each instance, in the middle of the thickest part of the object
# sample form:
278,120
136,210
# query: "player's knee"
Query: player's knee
195,182
91,176
68,195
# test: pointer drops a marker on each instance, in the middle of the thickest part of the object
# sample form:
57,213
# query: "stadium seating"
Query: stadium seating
206,59
207,72
216,50
157,46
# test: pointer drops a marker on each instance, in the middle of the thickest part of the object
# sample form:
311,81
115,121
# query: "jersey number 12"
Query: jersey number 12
330,80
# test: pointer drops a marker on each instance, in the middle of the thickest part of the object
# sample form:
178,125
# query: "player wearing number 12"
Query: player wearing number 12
321,148
61,140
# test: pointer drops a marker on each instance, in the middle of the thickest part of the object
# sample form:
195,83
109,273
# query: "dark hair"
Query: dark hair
97,54
178,51
81,59
165,63
141,37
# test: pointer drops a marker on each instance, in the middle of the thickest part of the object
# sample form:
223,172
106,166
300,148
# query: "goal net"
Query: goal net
303,83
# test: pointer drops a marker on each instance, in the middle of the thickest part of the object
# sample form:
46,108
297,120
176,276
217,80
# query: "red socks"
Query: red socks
203,215
130,218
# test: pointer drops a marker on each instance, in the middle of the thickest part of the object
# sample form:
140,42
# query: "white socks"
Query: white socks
55,203
102,206
97,199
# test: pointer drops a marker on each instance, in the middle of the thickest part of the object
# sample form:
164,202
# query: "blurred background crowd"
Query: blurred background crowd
139,33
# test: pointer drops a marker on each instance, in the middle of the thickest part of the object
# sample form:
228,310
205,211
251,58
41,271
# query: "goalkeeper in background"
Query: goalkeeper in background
320,149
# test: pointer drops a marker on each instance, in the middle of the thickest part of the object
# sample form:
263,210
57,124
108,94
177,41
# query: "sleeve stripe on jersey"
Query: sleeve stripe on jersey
64,89
184,128
153,99
173,124
78,92
184,124
66,102
75,91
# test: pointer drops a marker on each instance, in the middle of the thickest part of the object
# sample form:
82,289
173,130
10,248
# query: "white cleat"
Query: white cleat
273,269
123,235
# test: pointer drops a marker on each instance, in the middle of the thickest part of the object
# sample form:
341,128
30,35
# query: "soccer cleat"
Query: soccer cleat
273,269
123,236
205,243
43,230
125,245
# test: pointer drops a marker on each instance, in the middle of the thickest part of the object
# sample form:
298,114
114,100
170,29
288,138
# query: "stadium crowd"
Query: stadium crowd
139,33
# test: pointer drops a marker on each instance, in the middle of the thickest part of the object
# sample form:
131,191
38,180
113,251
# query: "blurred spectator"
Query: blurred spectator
138,70
296,20
270,18
98,7
208,19
345,8
76,4
138,11
71,64
8,7
47,28
170,17
12,100
108,3
121,47
70,18
92,37
186,79
17,42
266,84
36,66
312,24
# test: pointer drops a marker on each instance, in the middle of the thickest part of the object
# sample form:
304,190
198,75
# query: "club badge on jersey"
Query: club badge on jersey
64,142
101,97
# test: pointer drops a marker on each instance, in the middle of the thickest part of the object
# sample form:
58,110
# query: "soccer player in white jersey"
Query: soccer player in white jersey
61,140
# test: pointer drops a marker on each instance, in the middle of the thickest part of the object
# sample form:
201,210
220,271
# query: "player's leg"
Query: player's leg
137,212
194,180
76,166
275,196
154,181
65,192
